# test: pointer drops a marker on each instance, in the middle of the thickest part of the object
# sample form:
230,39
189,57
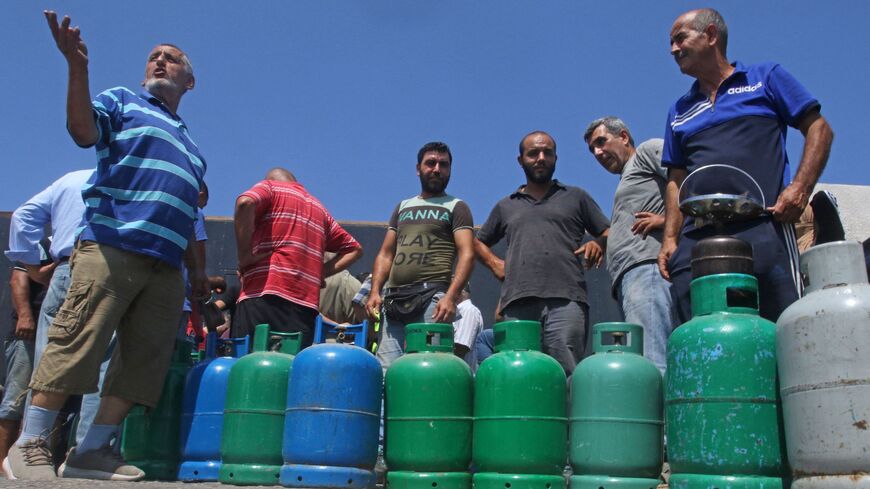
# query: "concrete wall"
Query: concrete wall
854,202
221,260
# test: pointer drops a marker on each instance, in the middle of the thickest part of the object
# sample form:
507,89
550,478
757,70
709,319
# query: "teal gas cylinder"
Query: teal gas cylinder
616,413
149,437
723,416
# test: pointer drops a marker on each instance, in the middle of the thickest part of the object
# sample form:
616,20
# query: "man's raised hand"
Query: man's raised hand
68,40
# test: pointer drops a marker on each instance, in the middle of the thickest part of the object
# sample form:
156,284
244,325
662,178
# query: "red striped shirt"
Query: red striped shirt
296,228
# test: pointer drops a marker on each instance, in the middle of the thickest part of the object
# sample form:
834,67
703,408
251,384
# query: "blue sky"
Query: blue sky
344,93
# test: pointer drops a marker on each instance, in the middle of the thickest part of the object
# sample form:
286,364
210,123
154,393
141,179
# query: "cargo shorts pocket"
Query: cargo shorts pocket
73,313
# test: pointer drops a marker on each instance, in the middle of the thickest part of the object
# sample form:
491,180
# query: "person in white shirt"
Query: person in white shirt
467,327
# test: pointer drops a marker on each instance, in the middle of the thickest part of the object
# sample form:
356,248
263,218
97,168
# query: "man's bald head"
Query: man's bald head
700,19
280,175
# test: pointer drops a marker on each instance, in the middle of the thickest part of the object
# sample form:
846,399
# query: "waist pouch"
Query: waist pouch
406,304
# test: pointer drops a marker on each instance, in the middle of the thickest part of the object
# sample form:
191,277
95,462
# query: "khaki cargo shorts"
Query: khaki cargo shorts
113,291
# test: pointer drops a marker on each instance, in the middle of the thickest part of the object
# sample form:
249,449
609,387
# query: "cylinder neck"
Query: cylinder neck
429,337
261,337
617,337
836,264
239,347
517,335
289,343
211,342
182,353
721,254
726,292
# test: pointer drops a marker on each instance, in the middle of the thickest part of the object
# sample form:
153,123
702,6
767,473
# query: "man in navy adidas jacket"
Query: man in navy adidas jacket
738,115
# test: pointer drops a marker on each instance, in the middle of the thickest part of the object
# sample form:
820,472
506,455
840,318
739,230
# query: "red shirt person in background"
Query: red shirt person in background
282,232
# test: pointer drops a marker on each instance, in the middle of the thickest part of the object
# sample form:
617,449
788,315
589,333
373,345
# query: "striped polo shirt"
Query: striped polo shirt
148,176
296,229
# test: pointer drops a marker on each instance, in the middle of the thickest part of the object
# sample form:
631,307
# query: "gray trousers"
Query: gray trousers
563,326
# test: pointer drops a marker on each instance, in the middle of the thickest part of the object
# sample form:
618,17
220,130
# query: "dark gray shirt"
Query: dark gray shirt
541,239
641,189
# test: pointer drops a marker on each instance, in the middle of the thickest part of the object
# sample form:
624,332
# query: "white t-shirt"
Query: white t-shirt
469,324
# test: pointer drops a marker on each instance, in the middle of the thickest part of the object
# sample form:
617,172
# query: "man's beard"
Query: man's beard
535,177
434,185
157,86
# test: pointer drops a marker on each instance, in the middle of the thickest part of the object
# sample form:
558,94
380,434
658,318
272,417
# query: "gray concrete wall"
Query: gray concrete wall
221,260
854,202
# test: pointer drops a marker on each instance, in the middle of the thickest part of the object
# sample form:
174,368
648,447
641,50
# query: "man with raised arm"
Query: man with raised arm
126,267
738,115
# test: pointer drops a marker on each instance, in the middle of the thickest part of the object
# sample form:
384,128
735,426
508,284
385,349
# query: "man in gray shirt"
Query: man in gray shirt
635,236
544,222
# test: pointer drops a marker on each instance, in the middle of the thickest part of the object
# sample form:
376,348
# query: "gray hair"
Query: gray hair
188,66
612,124
708,16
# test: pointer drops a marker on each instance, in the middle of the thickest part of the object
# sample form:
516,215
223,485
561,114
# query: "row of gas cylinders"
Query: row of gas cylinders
747,403
261,418
313,420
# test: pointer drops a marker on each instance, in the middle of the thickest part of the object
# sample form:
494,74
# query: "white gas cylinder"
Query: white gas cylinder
823,355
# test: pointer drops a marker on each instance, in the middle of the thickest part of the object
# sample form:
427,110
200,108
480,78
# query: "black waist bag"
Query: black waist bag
406,304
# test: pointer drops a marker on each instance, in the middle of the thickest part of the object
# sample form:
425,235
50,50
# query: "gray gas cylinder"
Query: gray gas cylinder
823,355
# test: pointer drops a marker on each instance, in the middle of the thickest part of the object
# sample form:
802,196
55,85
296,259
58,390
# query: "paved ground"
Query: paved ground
86,484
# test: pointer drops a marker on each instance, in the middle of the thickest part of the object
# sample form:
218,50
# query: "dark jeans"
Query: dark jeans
280,314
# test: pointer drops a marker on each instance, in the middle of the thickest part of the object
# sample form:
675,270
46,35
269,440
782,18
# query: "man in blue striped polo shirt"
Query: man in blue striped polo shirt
126,276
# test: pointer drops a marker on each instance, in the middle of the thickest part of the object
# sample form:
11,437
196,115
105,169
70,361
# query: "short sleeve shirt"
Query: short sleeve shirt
641,189
469,324
336,298
199,234
296,229
745,127
425,248
37,290
541,238
149,172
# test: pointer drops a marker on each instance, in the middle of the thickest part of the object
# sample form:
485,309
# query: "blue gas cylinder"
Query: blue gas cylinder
332,419
203,408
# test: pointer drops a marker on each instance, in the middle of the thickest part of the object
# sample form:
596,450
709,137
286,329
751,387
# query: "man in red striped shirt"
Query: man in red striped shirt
282,232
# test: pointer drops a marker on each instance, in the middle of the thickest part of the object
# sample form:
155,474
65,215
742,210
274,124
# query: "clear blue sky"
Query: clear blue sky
343,93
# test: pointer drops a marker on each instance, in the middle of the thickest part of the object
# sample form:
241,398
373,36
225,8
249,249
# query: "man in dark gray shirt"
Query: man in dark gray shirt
544,222
635,236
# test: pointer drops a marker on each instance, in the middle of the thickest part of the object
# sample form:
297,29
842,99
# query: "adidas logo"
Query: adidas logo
747,88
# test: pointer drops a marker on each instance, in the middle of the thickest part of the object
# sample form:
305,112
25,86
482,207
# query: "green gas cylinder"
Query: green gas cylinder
723,415
428,413
253,429
149,437
616,413
520,423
